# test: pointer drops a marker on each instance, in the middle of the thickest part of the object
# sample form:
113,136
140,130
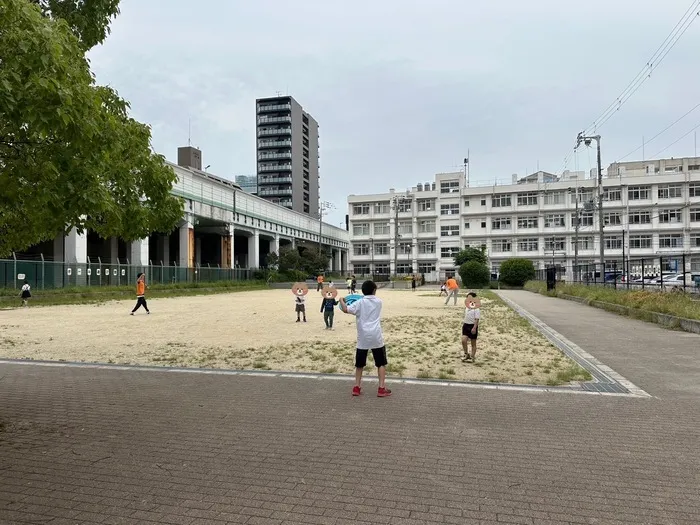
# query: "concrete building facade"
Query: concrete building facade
287,154
650,209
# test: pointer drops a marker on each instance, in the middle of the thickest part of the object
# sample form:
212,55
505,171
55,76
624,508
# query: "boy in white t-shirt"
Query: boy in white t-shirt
470,326
367,312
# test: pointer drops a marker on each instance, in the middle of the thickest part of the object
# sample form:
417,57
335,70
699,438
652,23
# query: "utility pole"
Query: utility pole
587,141
577,223
397,200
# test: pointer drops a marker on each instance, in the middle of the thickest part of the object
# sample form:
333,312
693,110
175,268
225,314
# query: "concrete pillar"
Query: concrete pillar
197,251
254,250
58,248
337,263
76,247
113,249
138,253
186,252
164,247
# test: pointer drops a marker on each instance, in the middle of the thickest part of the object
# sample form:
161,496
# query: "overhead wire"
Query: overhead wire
661,133
651,65
676,141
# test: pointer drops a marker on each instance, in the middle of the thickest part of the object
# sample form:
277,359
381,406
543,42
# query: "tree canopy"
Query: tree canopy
88,20
471,254
474,274
516,272
70,155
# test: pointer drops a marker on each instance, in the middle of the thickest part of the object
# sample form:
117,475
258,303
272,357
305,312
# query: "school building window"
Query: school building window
361,269
449,209
671,240
694,214
448,251
381,248
500,223
554,221
361,249
449,186
638,193
527,199
694,189
554,197
613,243
426,205
426,268
448,231
525,223
381,207
405,228
612,219
500,201
360,228
584,243
501,246
527,245
426,247
640,217
381,228
426,226
360,209
554,244
612,194
669,216
638,242
671,191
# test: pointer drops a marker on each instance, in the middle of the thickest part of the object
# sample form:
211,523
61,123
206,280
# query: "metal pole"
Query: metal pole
14,275
623,249
43,272
396,235
320,226
577,222
600,210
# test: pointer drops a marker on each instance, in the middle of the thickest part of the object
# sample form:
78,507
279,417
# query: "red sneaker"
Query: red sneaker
356,391
383,392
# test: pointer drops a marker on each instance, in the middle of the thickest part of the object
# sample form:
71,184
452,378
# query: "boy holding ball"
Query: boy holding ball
367,312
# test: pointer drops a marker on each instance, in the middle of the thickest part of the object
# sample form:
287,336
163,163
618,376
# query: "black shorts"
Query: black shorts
467,331
379,355
301,308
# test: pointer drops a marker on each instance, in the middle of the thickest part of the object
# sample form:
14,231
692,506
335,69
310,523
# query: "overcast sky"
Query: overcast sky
403,88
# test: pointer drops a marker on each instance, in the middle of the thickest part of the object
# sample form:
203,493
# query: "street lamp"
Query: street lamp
587,141
322,206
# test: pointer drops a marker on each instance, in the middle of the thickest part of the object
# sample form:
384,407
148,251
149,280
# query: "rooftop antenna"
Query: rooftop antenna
279,93
189,131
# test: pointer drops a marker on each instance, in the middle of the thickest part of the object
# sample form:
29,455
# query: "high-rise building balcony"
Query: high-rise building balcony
274,156
274,131
272,179
274,192
275,167
264,108
274,143
274,120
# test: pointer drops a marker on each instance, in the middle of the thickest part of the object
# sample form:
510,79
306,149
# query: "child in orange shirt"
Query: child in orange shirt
140,294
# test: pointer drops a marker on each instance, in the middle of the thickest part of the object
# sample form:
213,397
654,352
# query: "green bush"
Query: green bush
516,272
475,274
294,276
471,254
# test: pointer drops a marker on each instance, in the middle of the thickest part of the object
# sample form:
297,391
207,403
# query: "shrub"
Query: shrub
471,254
516,272
475,274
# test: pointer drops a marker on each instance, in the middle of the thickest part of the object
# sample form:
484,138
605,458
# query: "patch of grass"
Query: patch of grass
573,373
424,374
330,370
396,369
648,300
260,365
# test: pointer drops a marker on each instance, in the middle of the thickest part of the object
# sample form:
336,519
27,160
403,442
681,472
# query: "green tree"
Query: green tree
474,274
70,155
516,272
88,19
471,254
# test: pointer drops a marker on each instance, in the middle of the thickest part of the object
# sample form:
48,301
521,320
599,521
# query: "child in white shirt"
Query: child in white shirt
470,326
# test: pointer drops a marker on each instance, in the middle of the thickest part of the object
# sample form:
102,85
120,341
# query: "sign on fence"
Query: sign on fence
69,271
21,277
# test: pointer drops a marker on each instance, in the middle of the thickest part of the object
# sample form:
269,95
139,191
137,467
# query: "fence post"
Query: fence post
43,271
643,273
14,271
615,274
684,272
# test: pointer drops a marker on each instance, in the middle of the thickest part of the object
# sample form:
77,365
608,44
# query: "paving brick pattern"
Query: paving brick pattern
139,447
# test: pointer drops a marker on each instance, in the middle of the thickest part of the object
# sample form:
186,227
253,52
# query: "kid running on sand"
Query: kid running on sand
141,294
367,312
470,326
26,293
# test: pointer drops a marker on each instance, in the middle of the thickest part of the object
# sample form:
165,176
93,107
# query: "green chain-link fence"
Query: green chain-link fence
51,274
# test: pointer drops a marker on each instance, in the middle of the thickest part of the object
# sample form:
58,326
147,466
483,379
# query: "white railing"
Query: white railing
274,107
274,143
274,167
274,120
198,187
279,131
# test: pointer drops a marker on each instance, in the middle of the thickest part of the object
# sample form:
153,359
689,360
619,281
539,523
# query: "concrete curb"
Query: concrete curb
668,321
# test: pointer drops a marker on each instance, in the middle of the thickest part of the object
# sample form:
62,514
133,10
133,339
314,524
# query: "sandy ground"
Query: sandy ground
257,330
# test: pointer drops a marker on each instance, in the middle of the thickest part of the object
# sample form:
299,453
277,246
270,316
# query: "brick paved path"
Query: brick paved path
113,446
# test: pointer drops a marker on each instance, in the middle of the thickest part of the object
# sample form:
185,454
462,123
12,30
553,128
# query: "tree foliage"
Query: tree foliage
516,272
70,155
88,19
474,274
471,254
306,260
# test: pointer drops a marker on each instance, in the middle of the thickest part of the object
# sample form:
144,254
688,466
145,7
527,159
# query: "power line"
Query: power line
677,141
653,63
660,133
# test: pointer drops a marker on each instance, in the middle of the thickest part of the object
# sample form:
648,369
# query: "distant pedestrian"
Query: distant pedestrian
319,283
25,293
348,282
353,285
413,283
300,290
141,294
443,289
452,290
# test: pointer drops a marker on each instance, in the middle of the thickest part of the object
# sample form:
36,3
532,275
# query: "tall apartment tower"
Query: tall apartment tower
287,151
